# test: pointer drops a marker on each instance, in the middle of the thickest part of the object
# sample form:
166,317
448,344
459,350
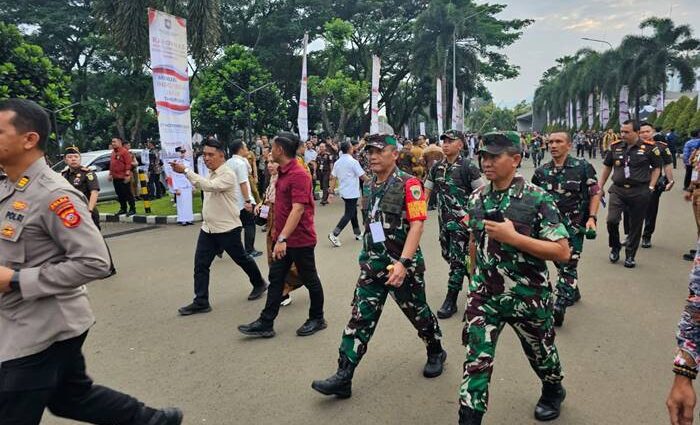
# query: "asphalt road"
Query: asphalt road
617,344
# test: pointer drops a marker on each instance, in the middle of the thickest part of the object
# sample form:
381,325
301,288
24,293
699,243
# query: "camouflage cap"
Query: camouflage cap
497,142
380,141
452,135
71,149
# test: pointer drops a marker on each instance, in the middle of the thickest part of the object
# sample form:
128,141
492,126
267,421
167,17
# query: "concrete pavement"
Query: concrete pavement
617,344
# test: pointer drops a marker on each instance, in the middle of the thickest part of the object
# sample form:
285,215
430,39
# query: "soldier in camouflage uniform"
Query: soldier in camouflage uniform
391,263
515,227
573,184
453,179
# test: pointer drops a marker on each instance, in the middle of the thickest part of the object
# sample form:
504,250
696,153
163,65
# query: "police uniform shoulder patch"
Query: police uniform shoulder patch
65,210
90,176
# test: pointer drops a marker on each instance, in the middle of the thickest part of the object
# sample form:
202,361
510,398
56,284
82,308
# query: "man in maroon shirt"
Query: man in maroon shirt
296,239
120,174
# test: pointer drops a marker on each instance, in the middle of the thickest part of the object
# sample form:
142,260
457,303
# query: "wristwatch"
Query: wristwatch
281,239
14,281
406,262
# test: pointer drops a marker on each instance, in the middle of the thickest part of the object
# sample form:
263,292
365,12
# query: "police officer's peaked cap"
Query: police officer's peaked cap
380,141
499,141
452,135
71,149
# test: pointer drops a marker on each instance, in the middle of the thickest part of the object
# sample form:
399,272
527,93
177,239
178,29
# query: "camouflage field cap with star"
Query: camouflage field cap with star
452,135
380,141
499,141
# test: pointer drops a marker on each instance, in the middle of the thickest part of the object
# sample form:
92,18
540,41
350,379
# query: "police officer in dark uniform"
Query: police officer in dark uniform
83,179
664,184
635,166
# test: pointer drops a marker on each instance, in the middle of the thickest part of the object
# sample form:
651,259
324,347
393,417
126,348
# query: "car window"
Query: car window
101,164
60,165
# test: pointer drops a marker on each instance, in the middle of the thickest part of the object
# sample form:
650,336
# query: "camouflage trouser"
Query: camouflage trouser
367,306
567,282
455,247
531,319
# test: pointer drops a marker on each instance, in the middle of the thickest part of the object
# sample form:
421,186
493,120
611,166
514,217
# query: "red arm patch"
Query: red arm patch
416,205
65,210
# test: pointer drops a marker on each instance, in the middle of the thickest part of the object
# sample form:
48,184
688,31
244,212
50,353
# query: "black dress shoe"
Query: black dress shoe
549,405
630,263
434,365
167,416
121,212
130,213
614,255
257,328
646,242
193,308
311,326
257,292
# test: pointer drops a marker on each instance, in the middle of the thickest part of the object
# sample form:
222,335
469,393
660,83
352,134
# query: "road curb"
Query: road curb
144,219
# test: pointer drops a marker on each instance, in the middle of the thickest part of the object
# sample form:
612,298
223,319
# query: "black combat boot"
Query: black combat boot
549,405
436,360
559,312
339,384
468,416
449,307
577,296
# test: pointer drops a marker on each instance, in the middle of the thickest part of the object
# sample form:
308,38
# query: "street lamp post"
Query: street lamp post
249,94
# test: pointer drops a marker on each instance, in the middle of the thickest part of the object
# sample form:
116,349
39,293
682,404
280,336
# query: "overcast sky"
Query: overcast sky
560,24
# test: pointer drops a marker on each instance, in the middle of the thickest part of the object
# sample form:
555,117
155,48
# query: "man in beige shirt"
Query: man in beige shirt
221,229
49,250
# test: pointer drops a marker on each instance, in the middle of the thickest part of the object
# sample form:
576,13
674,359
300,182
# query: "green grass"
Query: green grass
162,206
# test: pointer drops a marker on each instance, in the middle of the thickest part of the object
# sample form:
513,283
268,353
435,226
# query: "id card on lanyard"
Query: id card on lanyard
376,228
626,163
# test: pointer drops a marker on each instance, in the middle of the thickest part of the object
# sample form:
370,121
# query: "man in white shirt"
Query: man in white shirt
348,171
239,165
221,227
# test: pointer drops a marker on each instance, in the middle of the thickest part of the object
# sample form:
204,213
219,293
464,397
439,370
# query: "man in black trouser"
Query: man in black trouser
221,227
663,184
155,187
635,166
120,173
50,250
295,241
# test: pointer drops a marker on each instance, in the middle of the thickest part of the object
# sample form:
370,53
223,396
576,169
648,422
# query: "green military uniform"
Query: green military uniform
572,187
631,176
452,184
509,286
398,200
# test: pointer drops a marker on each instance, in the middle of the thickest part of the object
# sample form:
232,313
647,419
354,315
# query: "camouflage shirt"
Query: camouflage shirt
451,189
571,186
499,266
401,200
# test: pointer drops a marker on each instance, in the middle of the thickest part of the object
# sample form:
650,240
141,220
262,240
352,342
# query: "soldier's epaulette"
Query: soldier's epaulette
663,144
649,142
66,168
85,169
616,143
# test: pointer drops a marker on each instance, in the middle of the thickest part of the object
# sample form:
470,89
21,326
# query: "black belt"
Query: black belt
629,185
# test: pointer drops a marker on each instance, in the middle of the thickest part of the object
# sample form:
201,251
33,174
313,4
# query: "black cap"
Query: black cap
452,135
71,149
